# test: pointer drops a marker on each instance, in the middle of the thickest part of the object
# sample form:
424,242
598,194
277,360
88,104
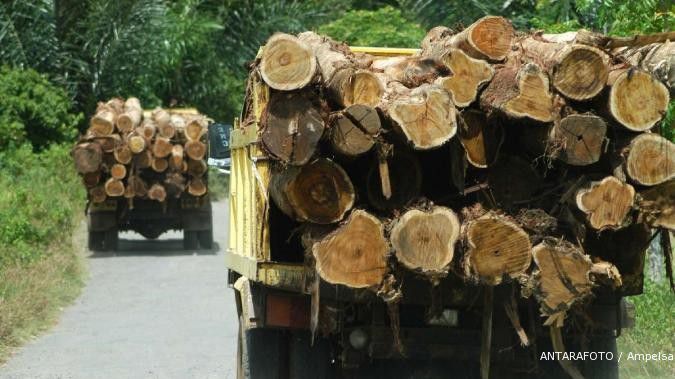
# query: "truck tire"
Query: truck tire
307,361
205,238
111,239
261,354
190,240
95,241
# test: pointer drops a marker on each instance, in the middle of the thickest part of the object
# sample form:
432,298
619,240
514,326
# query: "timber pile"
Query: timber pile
491,154
128,153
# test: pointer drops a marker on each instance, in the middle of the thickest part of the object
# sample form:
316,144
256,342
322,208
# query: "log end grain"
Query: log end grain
87,157
355,254
354,130
157,192
580,138
606,202
468,76
491,36
361,87
534,99
581,72
651,159
114,187
637,100
287,63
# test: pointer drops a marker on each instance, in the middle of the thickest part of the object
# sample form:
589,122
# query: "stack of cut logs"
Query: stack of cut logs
128,153
490,154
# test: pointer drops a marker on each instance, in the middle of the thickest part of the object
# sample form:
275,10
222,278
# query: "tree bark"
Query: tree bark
425,116
656,58
468,76
481,139
319,192
497,248
487,38
131,118
578,139
651,159
411,71
176,158
354,130
424,240
88,157
114,187
636,99
157,192
197,187
293,126
118,171
405,181
606,203
355,254
520,92
657,206
287,63
162,147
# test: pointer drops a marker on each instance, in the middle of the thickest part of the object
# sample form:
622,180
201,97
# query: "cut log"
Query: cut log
176,158
88,157
354,130
656,58
97,194
405,181
195,129
287,63
159,164
609,42
425,116
148,130
139,186
412,71
579,72
651,159
196,150
293,126
657,206
162,147
174,184
91,179
341,76
162,119
123,154
481,139
355,254
578,139
136,144
129,193
143,159
468,76
606,202
488,38
114,187
520,92
103,122
157,192
636,99
197,187
197,168
166,130
424,240
109,143
497,248
118,171
319,192
131,118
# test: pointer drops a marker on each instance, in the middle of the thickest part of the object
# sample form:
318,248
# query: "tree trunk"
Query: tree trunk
176,158
606,203
131,118
319,192
140,188
651,159
411,71
425,116
354,130
88,157
148,130
197,168
657,58
287,63
143,159
118,171
103,122
487,38
114,187
157,192
468,76
108,143
174,184
162,119
481,139
520,92
293,126
424,240
136,144
355,254
497,248
636,99
159,164
195,150
405,181
195,129
578,139
579,72
123,154
97,194
344,80
657,206
197,187
162,147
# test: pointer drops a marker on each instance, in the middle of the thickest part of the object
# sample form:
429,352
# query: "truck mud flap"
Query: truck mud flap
102,221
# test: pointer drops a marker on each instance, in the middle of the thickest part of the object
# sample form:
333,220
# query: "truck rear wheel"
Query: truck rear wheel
190,239
205,238
95,241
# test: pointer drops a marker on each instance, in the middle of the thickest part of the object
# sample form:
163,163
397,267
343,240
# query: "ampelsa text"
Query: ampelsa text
660,356
580,356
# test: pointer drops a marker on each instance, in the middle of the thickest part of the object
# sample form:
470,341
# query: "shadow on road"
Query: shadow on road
164,247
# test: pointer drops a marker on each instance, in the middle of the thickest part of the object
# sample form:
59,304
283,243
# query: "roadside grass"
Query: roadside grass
654,332
219,184
41,269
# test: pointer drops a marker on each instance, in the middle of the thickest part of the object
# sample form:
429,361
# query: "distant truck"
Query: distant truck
356,335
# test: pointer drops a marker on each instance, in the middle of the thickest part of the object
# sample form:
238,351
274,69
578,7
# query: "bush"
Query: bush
33,111
385,27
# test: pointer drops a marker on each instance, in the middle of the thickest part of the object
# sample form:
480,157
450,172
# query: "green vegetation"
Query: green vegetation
219,184
653,333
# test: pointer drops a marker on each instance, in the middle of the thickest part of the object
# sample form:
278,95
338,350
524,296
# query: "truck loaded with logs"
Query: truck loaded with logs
466,207
145,171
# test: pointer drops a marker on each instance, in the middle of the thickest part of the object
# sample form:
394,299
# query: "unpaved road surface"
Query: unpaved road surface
151,310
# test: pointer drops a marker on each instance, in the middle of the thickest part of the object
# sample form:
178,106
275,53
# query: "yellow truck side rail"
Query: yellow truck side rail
248,250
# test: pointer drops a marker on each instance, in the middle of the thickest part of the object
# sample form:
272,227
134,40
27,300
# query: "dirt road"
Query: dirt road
152,310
